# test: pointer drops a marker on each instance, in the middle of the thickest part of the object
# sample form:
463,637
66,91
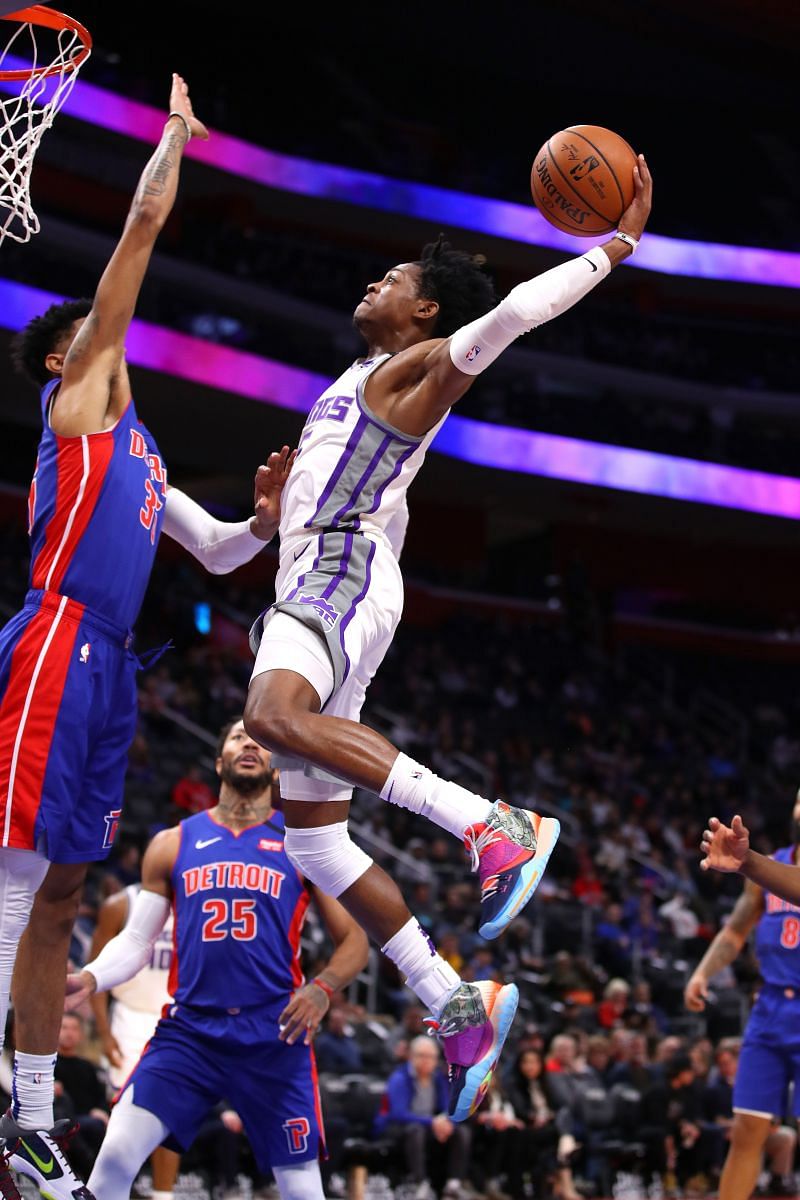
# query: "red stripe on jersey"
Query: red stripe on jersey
295,929
172,979
28,716
81,469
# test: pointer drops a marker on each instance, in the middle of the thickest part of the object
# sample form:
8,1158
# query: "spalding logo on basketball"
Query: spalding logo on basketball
582,179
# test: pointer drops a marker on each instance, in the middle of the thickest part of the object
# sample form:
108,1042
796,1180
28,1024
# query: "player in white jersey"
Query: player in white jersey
339,595
126,1026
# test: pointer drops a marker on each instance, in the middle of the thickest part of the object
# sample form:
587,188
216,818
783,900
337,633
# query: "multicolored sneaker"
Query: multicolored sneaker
39,1154
509,850
8,1186
472,1028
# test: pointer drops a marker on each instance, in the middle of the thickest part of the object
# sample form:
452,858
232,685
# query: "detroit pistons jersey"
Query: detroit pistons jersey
778,935
95,510
148,990
353,469
239,908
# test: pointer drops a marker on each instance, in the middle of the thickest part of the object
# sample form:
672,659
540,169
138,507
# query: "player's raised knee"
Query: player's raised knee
273,726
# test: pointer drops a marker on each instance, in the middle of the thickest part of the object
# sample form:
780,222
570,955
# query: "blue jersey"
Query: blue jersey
95,511
778,935
239,909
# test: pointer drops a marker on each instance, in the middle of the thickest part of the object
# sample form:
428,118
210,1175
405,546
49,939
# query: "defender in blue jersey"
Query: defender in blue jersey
98,503
243,1017
769,1062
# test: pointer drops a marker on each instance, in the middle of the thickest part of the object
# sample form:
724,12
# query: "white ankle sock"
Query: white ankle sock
412,786
32,1090
427,974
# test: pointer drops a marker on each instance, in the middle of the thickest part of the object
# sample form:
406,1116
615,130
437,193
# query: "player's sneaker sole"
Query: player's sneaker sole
478,1076
530,874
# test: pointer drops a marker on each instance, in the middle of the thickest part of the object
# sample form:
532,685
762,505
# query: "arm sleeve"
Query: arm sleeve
475,346
220,546
126,954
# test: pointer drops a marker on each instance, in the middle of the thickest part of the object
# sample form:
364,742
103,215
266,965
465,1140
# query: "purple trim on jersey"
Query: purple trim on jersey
352,444
398,466
368,471
351,612
366,411
314,566
347,550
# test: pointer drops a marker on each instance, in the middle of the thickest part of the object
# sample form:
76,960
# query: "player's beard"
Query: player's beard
244,783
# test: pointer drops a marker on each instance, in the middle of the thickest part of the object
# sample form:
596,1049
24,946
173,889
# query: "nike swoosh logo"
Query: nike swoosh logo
46,1168
299,552
201,844
591,264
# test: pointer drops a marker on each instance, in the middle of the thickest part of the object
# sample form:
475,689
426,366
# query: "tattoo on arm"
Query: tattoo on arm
157,172
732,937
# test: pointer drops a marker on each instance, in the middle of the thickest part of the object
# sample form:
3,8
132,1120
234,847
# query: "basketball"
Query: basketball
582,179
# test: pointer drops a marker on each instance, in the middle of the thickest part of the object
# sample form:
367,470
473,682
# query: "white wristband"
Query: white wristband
627,239
186,123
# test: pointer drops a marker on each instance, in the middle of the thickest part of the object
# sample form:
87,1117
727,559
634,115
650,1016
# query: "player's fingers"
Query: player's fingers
713,824
737,825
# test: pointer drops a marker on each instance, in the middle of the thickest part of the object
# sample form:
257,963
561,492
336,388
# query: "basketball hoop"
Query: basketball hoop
54,48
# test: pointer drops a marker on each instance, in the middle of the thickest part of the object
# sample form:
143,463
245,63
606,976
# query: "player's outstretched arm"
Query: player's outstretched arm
95,357
726,945
110,922
222,546
124,955
429,378
307,1007
727,848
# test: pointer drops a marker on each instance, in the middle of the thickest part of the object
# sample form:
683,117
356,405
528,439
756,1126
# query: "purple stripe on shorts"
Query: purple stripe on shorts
347,550
302,578
368,470
352,610
352,442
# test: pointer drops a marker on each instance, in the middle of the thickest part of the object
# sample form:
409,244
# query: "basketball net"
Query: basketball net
53,48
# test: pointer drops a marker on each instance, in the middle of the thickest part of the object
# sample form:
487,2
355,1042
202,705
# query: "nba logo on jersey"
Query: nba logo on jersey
323,609
472,354
85,648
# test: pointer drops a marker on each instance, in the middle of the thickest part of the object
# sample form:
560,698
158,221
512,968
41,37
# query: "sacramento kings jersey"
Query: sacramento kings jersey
239,908
352,470
778,935
148,990
95,511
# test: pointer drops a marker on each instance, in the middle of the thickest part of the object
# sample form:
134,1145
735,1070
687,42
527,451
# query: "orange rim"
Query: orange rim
37,14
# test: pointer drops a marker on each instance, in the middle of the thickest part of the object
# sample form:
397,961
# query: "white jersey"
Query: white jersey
353,470
148,991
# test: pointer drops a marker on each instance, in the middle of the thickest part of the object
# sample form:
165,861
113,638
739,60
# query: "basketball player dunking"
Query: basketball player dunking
126,1025
339,595
98,503
243,1017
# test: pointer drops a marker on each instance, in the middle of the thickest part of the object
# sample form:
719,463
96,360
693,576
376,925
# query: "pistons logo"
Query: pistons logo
297,1130
112,825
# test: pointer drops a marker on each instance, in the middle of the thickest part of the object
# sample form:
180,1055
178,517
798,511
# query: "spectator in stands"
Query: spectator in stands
679,1149
414,1114
549,1143
83,1094
336,1048
637,1071
598,1060
192,793
613,1008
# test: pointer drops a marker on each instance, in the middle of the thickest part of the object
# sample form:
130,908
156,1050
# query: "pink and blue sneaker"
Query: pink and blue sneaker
509,850
472,1027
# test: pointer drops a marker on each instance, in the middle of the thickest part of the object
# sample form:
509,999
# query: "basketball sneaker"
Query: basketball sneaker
509,850
472,1028
8,1186
39,1154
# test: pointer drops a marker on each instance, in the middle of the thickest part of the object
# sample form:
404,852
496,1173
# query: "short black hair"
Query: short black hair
458,282
223,733
41,337
676,1065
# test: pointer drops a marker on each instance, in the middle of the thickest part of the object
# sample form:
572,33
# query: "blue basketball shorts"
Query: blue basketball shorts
186,1070
68,711
770,1057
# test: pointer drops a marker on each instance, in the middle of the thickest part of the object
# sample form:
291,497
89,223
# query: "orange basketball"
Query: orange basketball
582,179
